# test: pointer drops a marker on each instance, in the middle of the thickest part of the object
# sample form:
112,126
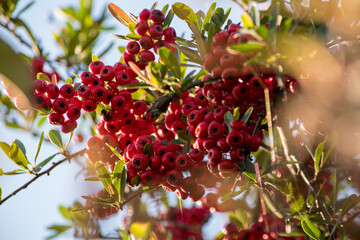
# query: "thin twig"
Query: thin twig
47,172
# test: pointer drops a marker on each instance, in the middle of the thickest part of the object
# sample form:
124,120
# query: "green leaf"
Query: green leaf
135,181
42,76
247,20
119,14
39,146
168,19
191,54
199,39
124,234
236,114
15,154
25,8
247,115
117,175
104,175
278,165
65,212
310,229
228,117
123,183
44,162
236,193
185,13
69,81
182,136
15,172
94,58
249,47
0,193
170,61
100,199
208,15
55,138
148,149
255,15
77,76
319,153
211,33
140,230
41,121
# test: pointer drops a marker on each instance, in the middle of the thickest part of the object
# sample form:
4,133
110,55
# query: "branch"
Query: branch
47,172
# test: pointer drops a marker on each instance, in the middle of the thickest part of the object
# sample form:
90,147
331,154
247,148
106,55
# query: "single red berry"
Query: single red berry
219,50
238,125
168,160
73,112
227,168
233,28
133,48
174,177
183,162
157,16
113,127
150,178
210,62
208,144
140,162
155,162
40,85
144,14
84,91
147,56
122,78
111,139
220,38
156,31
39,101
230,74
200,99
87,78
117,102
170,35
37,64
237,155
215,130
197,155
194,118
98,93
240,91
228,60
214,155
141,142
188,184
96,66
128,58
52,90
97,82
68,126
222,145
219,114
60,105
67,91
255,143
56,118
139,108
146,42
141,27
107,73
89,105
235,139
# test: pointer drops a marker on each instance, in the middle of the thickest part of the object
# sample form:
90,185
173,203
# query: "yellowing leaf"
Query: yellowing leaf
119,14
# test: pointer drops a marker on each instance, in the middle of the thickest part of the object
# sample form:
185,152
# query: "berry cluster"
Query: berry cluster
258,230
186,223
240,84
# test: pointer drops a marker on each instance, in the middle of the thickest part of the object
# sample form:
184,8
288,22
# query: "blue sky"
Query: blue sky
27,215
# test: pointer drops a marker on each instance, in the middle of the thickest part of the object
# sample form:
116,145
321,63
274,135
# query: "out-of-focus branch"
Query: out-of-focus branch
47,172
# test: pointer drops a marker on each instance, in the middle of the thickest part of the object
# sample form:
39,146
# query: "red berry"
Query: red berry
146,42
157,16
87,78
56,118
132,48
60,105
174,177
139,107
37,64
220,38
117,102
39,101
113,127
197,155
150,178
222,144
210,62
96,66
197,170
144,14
155,162
194,118
235,139
73,112
237,155
183,162
215,130
84,91
140,162
67,91
98,93
156,31
214,155
168,160
68,126
147,56
89,105
107,73
40,85
141,27
52,90
227,168
170,35
159,44
255,143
